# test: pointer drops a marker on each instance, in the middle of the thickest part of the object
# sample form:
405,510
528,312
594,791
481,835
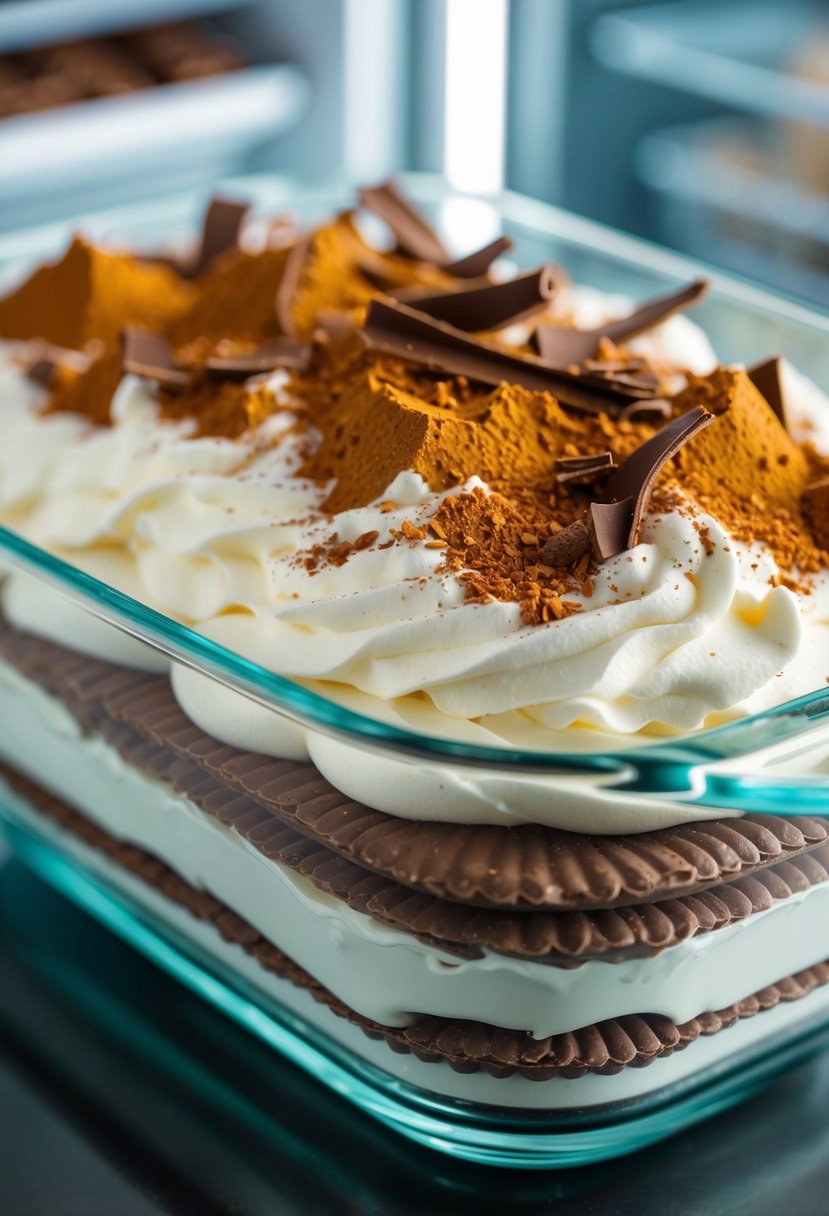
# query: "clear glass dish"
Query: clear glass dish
713,768
736,766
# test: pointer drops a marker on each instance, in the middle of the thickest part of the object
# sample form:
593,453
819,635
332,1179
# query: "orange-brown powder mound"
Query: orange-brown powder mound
92,295
747,472
89,392
227,408
236,300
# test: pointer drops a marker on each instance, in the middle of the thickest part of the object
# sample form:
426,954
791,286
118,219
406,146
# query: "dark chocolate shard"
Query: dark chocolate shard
491,306
149,355
602,530
42,372
634,479
560,346
395,329
475,265
288,284
220,231
415,236
278,352
765,376
42,359
612,526
583,470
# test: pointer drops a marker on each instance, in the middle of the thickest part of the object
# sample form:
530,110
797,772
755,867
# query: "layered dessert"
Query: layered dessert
483,504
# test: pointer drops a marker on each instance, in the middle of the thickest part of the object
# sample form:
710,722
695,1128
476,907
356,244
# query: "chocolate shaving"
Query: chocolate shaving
582,470
414,235
610,527
489,307
765,376
149,355
42,372
558,345
42,359
220,231
416,238
278,352
475,265
288,284
634,478
395,329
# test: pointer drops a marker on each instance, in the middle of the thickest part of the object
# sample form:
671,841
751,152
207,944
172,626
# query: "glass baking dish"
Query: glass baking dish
715,768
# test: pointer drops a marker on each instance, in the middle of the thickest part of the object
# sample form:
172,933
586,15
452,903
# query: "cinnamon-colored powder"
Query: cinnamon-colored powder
747,472
91,296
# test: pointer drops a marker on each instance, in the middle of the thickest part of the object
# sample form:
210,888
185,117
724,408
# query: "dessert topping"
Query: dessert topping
414,235
489,307
289,282
610,527
417,239
583,470
560,345
90,295
220,231
398,330
765,376
277,352
476,264
149,355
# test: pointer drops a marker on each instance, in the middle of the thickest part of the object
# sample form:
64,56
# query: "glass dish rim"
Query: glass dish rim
680,766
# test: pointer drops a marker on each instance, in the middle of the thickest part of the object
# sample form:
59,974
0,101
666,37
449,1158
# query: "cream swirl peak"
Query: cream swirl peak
383,523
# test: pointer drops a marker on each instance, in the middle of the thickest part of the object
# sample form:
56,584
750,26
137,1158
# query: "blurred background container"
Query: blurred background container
701,123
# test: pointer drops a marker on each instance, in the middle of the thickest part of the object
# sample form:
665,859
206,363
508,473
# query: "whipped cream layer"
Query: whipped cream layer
675,636
384,973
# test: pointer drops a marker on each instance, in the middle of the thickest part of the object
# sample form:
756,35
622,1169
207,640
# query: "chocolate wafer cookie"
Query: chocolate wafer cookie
526,867
604,1048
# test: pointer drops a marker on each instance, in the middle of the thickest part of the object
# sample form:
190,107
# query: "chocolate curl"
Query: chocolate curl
475,265
635,476
610,527
395,329
561,346
220,231
602,529
582,470
149,355
278,352
415,237
765,376
288,284
489,307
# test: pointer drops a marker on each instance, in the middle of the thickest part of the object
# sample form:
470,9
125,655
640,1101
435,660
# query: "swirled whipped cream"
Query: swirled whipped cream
380,529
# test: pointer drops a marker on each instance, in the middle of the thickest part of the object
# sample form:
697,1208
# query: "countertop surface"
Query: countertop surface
122,1094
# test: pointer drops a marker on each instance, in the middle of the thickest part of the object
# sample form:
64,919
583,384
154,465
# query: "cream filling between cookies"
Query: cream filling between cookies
382,972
